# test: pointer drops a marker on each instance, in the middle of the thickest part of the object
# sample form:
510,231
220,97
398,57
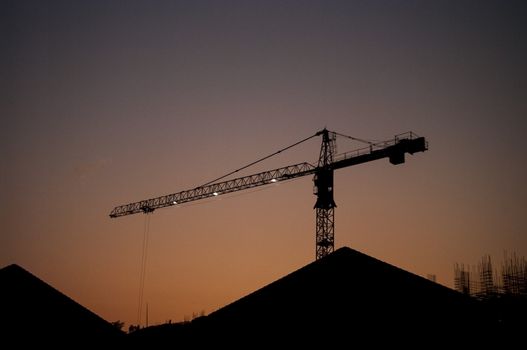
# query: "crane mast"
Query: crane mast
325,204
328,162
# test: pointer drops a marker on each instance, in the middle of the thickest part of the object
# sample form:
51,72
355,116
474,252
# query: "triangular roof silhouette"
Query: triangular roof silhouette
346,295
350,283
32,310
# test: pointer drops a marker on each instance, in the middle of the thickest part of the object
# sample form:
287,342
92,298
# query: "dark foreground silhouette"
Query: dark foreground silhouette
345,298
34,313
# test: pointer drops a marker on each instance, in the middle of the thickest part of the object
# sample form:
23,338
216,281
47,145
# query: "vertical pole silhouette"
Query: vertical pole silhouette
143,268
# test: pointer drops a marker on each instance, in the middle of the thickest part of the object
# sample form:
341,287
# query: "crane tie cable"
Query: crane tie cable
356,139
259,160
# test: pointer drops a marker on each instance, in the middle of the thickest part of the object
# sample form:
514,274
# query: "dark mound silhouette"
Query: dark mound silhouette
346,296
33,312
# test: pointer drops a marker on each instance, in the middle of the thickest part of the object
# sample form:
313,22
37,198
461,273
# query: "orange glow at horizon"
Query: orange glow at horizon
110,104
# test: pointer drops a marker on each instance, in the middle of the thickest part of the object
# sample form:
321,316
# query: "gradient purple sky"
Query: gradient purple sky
109,102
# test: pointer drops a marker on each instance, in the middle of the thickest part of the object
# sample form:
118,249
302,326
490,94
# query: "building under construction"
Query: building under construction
484,281
501,290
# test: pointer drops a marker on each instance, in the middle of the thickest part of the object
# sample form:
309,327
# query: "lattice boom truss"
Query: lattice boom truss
216,189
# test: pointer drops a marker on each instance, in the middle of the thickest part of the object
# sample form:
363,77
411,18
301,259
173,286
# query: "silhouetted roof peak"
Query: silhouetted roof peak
13,267
33,307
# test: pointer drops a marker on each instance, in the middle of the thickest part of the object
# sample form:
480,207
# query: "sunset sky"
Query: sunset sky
110,102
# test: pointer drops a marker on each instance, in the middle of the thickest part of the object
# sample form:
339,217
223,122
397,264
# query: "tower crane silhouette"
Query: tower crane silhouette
393,149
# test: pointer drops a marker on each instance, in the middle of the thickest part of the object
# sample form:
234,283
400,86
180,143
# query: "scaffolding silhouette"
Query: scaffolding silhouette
462,279
514,272
483,281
